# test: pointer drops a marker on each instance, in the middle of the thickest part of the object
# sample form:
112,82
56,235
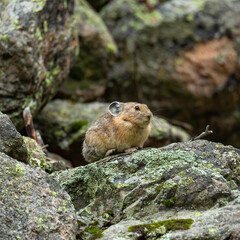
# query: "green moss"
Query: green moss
77,51
38,34
111,48
4,37
142,13
169,202
170,225
65,4
40,220
94,231
56,71
20,169
159,188
212,231
54,193
15,24
108,214
78,125
179,61
189,17
40,4
45,26
198,214
15,171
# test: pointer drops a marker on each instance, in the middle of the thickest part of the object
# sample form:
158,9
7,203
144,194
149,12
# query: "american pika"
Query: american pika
124,128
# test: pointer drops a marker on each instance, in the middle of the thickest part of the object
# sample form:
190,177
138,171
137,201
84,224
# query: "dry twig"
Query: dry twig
27,116
203,134
31,132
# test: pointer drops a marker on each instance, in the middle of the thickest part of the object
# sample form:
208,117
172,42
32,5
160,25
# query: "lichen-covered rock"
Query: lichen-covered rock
179,56
37,158
221,224
11,141
89,74
32,204
37,43
63,125
197,179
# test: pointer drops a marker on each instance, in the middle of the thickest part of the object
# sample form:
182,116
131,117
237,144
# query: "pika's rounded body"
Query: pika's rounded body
124,128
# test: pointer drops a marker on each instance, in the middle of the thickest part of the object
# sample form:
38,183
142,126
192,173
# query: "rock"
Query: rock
180,57
63,125
163,133
176,191
32,204
58,162
37,158
89,74
36,48
11,141
221,223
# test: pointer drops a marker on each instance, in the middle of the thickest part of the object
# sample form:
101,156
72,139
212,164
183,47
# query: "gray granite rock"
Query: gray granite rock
32,204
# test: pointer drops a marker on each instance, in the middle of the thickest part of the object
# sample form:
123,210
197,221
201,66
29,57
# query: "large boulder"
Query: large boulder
63,125
181,57
182,191
11,141
88,76
32,204
37,43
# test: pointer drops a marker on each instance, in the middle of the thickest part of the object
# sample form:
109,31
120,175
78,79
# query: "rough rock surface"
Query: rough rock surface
181,57
11,141
182,191
32,204
89,74
36,47
63,125
37,158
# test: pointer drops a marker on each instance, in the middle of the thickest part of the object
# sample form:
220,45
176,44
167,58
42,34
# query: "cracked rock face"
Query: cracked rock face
32,204
36,49
176,187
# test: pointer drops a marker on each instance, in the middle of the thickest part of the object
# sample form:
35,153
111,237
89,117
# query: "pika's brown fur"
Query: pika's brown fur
125,128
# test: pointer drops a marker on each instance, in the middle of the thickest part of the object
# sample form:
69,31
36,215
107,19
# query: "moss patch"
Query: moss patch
170,225
94,231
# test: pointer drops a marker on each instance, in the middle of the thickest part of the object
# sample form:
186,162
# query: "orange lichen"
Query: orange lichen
206,68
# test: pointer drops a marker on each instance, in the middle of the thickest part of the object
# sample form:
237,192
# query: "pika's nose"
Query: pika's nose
149,116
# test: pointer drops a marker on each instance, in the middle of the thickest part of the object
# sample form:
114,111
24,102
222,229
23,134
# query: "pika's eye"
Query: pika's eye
137,108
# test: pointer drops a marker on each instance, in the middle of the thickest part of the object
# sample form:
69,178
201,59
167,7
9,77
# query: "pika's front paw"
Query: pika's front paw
110,152
130,150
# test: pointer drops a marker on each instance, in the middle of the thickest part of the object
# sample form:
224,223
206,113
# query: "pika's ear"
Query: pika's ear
115,108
